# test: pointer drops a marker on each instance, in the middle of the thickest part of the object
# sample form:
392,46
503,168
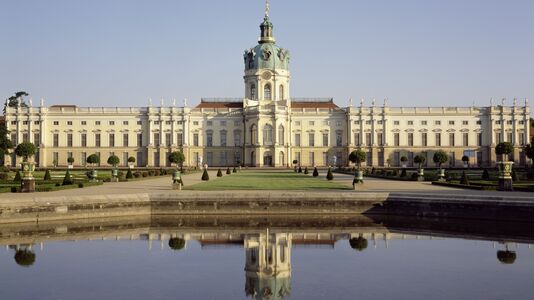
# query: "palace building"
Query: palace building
268,127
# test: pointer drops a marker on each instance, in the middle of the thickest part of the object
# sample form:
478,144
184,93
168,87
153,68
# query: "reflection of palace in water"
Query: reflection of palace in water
267,243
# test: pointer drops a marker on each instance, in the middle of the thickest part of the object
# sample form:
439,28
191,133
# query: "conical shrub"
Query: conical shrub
329,175
129,174
67,180
219,173
300,169
306,170
228,172
17,178
234,170
315,172
47,176
205,175
403,173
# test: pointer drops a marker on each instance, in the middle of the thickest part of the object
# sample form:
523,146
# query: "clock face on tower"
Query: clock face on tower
266,75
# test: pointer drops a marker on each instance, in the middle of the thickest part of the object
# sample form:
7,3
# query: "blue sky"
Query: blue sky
121,52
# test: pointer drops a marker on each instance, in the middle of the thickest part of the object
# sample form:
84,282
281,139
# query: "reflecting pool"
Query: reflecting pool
353,257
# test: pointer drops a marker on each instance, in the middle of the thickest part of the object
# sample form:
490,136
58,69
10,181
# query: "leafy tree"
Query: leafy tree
24,258
295,161
113,160
404,159
176,243
25,150
440,157
70,160
358,157
93,159
504,149
67,180
131,159
219,173
506,257
329,175
177,158
419,160
228,172
529,151
205,175
5,143
315,172
47,176
360,243
306,170
14,101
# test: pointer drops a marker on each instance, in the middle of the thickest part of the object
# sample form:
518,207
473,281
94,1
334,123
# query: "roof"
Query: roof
220,105
299,104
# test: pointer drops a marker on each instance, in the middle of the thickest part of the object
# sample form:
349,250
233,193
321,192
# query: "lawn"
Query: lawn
267,180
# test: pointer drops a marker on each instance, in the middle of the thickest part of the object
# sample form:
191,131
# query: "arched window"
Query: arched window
267,92
281,92
267,135
281,135
253,134
253,91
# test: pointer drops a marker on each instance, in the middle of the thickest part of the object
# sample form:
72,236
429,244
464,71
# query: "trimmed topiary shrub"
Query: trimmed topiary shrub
234,170
329,175
315,172
306,170
67,180
129,174
403,173
228,172
17,178
24,258
137,174
300,169
47,176
219,173
485,175
80,185
205,175
464,179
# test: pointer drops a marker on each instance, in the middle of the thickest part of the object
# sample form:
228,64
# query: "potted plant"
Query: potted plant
505,166
404,159
114,160
439,158
295,162
131,162
465,159
93,160
357,157
27,151
70,161
177,158
420,160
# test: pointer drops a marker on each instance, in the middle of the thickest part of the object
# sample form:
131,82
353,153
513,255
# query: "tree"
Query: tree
228,172
47,176
359,243
177,158
24,258
18,177
506,257
329,175
357,157
306,170
70,160
14,101
529,151
113,160
504,149
205,175
93,159
131,159
67,180
419,160
176,243
25,150
219,173
315,172
440,157
5,143
129,174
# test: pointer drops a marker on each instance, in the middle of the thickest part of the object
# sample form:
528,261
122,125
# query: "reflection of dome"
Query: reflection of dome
268,288
506,257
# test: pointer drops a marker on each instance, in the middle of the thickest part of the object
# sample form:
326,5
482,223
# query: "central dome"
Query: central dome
266,55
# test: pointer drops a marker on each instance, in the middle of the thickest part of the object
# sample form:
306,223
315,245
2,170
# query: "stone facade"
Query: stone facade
268,127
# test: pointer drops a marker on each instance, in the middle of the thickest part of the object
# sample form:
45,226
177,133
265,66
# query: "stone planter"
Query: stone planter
420,174
28,182
505,176
70,166
177,180
441,175
358,179
94,175
114,175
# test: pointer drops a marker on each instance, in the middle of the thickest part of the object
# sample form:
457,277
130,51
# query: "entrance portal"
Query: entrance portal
268,159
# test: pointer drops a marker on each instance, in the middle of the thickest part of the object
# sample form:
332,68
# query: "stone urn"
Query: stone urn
505,176
177,180
358,179
28,181
94,175
441,175
420,174
114,175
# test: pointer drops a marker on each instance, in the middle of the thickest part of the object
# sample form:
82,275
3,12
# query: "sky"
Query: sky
122,52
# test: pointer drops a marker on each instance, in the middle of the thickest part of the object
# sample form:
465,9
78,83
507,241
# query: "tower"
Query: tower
267,102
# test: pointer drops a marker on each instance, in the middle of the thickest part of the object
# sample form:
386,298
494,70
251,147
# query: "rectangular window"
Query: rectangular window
510,137
14,139
237,138
69,123
297,123
451,139
368,139
311,123
437,122
396,139
84,122
195,139
380,138
209,139
424,123
312,159
83,139
438,139
498,137
209,123
297,139
424,139
36,139
339,139
157,141
479,139
139,122
97,123
479,122
510,122
356,122
396,122
37,122
112,140
222,158
223,138
410,123
56,140
357,139
325,139
139,140
465,122
56,123
223,123
368,122
125,158
55,158
311,139
25,137
83,158
195,123
111,122
237,123
168,122
379,122
465,139
97,140
15,123
209,158
410,139
522,139
338,123
125,140
124,122
325,158
451,122
179,139
168,139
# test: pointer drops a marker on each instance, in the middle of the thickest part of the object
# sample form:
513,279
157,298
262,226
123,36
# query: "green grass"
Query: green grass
270,180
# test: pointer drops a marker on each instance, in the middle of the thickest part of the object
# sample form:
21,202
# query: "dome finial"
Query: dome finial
267,8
